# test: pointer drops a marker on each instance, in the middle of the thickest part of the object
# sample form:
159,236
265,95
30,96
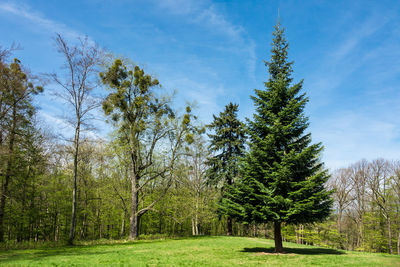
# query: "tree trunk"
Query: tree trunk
74,191
55,227
229,226
398,243
4,188
123,224
278,237
193,227
134,219
339,221
229,220
389,234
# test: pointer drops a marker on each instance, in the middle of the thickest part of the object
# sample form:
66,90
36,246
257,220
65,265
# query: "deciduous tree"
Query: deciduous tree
148,129
81,62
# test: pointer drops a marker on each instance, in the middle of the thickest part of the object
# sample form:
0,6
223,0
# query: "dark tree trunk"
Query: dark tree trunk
278,237
229,226
74,191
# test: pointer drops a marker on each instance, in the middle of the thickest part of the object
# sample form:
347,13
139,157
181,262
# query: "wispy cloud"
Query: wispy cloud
203,95
351,79
38,20
344,58
209,93
64,127
351,136
178,7
206,14
214,20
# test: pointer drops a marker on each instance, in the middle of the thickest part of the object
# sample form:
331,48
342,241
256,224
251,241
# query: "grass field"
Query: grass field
201,251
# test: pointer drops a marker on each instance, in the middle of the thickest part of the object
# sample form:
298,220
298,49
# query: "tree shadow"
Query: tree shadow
39,255
301,251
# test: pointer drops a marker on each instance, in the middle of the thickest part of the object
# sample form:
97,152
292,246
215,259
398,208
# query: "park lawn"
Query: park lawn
199,251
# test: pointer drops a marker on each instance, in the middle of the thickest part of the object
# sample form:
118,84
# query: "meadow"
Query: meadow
197,251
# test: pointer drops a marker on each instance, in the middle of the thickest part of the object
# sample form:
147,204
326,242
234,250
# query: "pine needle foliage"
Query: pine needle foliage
283,178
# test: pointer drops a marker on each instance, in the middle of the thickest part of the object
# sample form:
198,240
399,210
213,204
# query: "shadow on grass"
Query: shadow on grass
301,251
41,254
80,249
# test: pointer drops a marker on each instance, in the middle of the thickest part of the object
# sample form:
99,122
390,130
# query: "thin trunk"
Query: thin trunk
302,234
83,230
278,237
32,218
134,219
55,227
74,191
229,220
398,243
160,223
4,188
196,217
196,224
123,224
193,227
389,234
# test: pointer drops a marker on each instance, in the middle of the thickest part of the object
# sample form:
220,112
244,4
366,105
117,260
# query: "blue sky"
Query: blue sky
212,52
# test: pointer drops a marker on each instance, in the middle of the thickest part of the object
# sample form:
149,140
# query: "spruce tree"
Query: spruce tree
283,178
227,142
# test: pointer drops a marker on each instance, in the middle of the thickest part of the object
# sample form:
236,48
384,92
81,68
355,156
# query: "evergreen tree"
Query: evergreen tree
228,143
283,179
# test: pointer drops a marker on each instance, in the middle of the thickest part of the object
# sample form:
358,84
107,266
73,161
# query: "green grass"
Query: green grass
201,251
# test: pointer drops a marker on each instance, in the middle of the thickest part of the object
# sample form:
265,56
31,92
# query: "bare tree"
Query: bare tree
359,173
378,182
81,68
342,185
196,157
395,181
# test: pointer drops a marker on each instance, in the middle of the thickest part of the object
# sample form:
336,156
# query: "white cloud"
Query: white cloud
203,95
38,20
178,7
352,135
206,14
217,22
363,125
252,59
64,127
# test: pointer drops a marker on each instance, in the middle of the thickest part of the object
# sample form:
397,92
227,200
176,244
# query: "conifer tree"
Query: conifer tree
227,142
283,178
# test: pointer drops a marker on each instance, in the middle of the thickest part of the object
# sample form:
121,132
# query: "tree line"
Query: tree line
163,173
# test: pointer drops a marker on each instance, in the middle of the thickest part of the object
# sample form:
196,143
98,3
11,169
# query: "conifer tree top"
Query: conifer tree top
279,63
